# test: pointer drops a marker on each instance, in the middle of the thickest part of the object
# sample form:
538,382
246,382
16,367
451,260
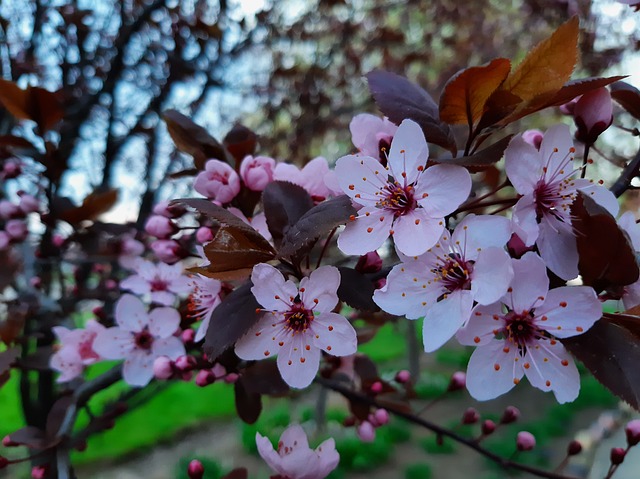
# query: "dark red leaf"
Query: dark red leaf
248,405
35,104
356,289
230,320
240,142
238,473
315,223
56,415
263,377
31,437
399,99
284,204
627,96
94,204
481,160
607,258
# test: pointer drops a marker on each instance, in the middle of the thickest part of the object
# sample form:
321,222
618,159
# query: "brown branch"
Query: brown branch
623,183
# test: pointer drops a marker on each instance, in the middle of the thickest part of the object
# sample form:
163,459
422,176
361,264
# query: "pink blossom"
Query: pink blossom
366,431
160,226
130,252
257,171
204,235
218,182
402,199
372,135
516,336
162,281
294,459
139,338
525,441
17,230
442,285
168,210
203,300
4,240
549,183
28,204
593,114
297,323
168,251
310,177
76,350
195,470
9,210
11,169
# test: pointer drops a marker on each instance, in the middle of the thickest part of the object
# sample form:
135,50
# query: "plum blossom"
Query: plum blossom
593,114
130,250
218,182
548,183
257,171
402,199
168,251
516,336
161,281
372,135
631,292
310,177
203,300
297,322
139,338
76,350
442,285
294,459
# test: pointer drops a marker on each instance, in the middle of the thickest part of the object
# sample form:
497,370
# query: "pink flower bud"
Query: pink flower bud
4,240
458,381
231,378
7,442
166,209
516,246
366,432
204,378
168,251
525,441
381,416
185,363
39,472
219,182
28,204
511,414
17,230
488,427
188,336
617,455
218,370
11,169
160,227
632,430
35,282
593,114
9,210
533,137
376,387
470,416
403,376
574,448
195,470
111,284
163,367
204,235
257,172
58,240
369,263
569,107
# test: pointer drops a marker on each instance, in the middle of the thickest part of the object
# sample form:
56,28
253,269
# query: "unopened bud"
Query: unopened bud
458,381
470,416
204,235
488,427
81,446
574,448
349,421
381,416
632,430
7,442
185,363
593,114
525,441
35,281
39,472
188,336
231,378
366,432
511,414
403,376
369,263
617,455
163,367
376,387
195,470
204,378
11,169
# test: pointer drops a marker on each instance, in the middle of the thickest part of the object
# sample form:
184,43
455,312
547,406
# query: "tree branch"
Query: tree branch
629,173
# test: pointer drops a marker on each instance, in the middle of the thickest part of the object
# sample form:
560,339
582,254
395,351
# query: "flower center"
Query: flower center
520,329
384,145
397,199
86,351
158,285
455,273
298,318
143,339
550,199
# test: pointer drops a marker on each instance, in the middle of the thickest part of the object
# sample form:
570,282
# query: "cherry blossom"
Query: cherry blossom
297,323
310,177
161,281
548,183
442,285
219,182
593,114
402,199
203,300
372,135
257,171
516,336
294,459
75,350
139,338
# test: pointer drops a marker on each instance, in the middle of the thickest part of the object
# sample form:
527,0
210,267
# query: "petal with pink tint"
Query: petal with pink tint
555,149
558,248
362,178
131,314
493,370
631,296
294,437
268,454
445,318
602,196
530,283
165,298
263,339
445,187
270,289
569,311
409,152
329,457
138,368
477,232
551,368
298,361
492,275
136,284
171,347
523,166
334,334
113,343
628,223
482,326
524,219
68,363
301,463
367,232
313,174
415,232
163,322
318,291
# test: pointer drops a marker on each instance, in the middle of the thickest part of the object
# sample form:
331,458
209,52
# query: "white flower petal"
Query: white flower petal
409,152
114,343
414,232
298,361
445,187
163,322
319,290
270,289
334,334
558,248
445,318
493,370
482,325
367,232
492,275
263,339
551,368
138,368
523,165
530,283
131,314
569,311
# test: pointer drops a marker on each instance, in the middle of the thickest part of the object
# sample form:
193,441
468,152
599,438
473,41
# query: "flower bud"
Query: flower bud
488,427
366,432
188,336
11,169
204,378
168,251
257,172
7,442
195,470
58,240
574,448
376,387
593,114
458,381
525,441
617,455
17,230
204,235
5,240
185,363
163,367
166,209
35,282
39,472
9,210
403,376
533,137
381,416
160,227
219,371
632,430
470,416
231,378
511,414
369,263
219,182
